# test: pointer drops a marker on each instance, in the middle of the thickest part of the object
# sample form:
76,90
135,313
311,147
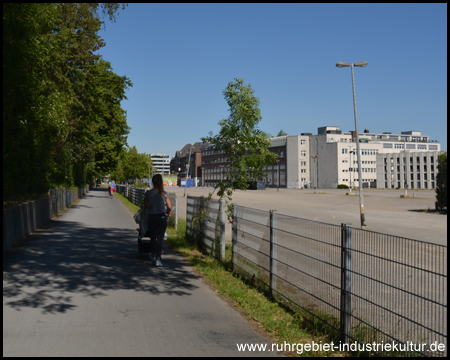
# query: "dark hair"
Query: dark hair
158,183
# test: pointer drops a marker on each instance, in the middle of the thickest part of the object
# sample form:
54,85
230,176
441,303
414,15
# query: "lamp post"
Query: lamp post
351,168
315,171
187,170
358,150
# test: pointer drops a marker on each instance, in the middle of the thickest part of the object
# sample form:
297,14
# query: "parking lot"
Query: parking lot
385,211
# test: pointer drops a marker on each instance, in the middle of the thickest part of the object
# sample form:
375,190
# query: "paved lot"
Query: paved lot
385,211
77,289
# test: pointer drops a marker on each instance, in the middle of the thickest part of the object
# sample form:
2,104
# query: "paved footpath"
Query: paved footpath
77,289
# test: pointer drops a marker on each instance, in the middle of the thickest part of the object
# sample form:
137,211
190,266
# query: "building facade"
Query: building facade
336,161
161,163
330,158
415,170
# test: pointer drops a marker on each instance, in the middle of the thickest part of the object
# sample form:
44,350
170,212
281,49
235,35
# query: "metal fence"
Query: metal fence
21,220
206,227
365,286
136,196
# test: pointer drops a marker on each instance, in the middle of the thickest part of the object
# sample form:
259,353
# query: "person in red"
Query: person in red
113,188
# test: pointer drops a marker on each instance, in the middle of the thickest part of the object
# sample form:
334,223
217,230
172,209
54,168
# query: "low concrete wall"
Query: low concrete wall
19,221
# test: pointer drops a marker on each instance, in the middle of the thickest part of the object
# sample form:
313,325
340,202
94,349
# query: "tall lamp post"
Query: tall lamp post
358,150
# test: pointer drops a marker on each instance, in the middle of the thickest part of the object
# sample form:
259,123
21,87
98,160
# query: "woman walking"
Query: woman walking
156,200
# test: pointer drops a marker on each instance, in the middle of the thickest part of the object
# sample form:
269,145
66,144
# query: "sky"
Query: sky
180,58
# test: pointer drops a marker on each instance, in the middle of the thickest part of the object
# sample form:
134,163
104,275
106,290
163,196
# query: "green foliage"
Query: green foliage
281,133
62,119
132,165
441,181
342,186
246,146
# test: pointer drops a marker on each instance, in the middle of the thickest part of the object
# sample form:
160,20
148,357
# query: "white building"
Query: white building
161,163
335,158
329,159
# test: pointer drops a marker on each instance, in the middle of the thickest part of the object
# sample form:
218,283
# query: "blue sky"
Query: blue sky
180,58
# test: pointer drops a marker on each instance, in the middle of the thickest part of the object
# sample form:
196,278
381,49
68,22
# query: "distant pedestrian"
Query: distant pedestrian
156,200
113,188
109,188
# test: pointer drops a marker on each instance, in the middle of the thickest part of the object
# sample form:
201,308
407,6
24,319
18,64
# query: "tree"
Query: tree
281,133
246,146
441,181
62,120
131,165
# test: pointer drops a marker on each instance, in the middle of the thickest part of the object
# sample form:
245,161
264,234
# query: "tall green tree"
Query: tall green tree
62,120
132,165
246,146
441,181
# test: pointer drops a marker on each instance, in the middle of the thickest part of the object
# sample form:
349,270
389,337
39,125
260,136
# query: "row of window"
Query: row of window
410,146
400,185
425,177
411,168
363,151
364,170
411,160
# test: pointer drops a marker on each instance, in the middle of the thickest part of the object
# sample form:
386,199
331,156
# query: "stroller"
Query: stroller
143,244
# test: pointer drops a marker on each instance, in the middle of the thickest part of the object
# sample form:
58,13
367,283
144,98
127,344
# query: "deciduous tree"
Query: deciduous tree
246,146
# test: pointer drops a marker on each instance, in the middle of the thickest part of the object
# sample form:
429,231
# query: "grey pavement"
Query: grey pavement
75,288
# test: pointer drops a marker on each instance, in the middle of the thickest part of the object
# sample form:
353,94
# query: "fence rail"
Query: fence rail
136,196
362,285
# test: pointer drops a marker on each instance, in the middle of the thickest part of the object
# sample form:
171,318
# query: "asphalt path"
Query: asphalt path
75,288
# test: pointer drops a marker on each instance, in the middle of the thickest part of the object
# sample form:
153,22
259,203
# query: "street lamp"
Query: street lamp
315,171
358,150
351,168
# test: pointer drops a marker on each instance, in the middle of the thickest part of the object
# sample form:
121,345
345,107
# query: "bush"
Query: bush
342,186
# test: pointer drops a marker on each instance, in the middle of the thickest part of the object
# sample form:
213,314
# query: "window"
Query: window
303,163
399,146
303,153
345,151
302,142
303,171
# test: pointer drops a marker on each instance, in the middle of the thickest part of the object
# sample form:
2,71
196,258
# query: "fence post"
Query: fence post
222,230
202,222
175,207
346,282
273,251
234,236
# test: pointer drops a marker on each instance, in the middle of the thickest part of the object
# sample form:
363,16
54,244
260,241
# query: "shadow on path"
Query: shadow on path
68,258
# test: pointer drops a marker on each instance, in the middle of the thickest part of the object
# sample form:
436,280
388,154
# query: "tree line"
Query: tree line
63,123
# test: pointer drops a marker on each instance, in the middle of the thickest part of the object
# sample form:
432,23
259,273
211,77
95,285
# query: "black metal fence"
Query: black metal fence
365,286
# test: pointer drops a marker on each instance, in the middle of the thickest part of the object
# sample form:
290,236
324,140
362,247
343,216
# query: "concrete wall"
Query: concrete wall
19,221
